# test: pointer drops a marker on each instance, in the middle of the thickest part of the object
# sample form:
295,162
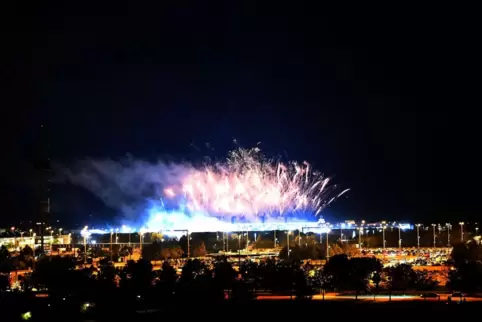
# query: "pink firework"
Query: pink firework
248,184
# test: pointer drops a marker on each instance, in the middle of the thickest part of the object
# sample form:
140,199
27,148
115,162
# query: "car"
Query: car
429,295
459,294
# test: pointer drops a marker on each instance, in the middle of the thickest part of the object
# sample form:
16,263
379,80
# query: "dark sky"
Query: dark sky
385,99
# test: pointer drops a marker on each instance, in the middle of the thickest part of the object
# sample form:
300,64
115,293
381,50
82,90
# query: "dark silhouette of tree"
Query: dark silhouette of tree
467,275
199,250
338,268
168,274
58,275
352,274
425,281
4,253
224,275
165,287
321,279
401,277
377,279
27,251
361,269
4,282
137,276
107,273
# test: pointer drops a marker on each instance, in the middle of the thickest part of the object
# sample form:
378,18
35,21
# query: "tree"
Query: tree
4,282
401,277
224,274
140,274
4,253
5,261
199,250
467,275
323,280
362,268
157,237
27,251
338,268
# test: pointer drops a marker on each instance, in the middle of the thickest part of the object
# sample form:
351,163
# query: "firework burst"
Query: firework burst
250,185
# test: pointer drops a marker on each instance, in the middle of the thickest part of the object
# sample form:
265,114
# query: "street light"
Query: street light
140,241
84,234
418,235
400,236
360,230
327,245
449,226
434,236
111,233
288,242
384,226
461,231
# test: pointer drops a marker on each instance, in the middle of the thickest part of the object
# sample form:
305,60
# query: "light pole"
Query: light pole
341,234
274,238
299,237
400,236
359,236
461,231
188,244
327,247
30,231
85,243
239,250
418,235
384,226
449,226
111,234
288,242
140,242
434,236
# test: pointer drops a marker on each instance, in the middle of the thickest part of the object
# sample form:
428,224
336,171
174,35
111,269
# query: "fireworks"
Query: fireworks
169,196
249,185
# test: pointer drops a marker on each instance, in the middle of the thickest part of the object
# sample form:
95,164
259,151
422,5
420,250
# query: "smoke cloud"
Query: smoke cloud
128,185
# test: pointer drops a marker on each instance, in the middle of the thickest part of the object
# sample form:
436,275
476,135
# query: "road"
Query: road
379,298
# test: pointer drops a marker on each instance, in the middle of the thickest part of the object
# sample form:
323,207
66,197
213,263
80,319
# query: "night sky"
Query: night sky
384,99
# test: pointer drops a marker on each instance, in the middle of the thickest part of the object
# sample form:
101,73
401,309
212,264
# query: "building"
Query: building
42,181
